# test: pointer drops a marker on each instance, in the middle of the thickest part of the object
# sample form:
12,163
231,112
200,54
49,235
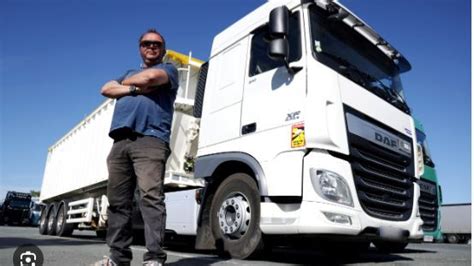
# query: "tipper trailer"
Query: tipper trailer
297,126
75,178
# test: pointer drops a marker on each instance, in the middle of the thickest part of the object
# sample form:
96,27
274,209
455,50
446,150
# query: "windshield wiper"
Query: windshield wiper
394,97
387,93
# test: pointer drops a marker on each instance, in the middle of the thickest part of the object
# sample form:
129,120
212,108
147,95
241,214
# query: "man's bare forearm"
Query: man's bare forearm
147,78
114,90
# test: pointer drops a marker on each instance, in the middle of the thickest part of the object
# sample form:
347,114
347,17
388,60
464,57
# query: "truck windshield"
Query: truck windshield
37,207
421,139
341,48
20,204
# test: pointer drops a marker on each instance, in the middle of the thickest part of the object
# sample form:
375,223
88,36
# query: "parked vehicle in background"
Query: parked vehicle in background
16,208
456,222
35,212
430,197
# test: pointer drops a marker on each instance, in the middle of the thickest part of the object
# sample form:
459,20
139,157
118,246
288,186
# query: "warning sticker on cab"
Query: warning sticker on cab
297,136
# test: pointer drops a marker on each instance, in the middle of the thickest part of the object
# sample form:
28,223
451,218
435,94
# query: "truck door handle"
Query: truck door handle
249,128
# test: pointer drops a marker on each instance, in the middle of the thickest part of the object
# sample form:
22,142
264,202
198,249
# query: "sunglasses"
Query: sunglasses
148,44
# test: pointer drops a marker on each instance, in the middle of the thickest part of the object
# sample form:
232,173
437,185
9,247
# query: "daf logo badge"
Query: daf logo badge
386,140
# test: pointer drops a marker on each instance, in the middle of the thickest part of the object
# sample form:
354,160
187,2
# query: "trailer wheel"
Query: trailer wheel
63,228
51,225
452,238
235,217
390,247
43,224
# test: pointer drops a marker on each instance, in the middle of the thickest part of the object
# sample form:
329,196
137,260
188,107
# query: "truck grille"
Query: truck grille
428,204
383,178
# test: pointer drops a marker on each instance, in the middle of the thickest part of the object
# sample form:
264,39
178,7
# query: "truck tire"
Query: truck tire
390,247
43,223
51,225
452,238
235,217
63,228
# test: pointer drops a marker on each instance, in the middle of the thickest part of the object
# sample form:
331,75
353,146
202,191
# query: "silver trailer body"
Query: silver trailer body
456,222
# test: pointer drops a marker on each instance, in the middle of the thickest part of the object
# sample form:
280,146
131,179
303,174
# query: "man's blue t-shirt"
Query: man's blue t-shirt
147,114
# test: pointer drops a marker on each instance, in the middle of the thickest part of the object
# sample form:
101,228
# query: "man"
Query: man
141,132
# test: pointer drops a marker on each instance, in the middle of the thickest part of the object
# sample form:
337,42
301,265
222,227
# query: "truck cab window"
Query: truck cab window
260,61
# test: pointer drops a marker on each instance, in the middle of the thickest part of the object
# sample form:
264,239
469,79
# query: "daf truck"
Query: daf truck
298,126
431,196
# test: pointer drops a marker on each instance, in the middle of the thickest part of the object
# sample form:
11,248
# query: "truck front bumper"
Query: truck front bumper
311,218
316,215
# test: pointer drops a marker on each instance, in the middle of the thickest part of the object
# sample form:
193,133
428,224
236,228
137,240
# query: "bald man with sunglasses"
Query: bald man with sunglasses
141,126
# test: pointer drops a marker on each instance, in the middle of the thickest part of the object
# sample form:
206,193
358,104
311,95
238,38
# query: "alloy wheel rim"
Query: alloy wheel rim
234,216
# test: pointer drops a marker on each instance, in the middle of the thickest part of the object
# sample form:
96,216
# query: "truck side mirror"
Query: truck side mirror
278,49
279,22
278,29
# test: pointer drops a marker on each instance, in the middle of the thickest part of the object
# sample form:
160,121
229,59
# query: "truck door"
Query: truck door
273,100
272,96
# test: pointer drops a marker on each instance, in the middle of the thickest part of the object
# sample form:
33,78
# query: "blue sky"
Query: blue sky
55,56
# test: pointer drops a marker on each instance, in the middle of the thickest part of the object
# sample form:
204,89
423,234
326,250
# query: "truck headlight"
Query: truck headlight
419,160
331,186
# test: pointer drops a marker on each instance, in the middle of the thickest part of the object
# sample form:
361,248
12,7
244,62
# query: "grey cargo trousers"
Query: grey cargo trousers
136,160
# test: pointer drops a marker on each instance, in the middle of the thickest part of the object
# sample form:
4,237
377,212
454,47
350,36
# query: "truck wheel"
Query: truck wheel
390,247
63,228
51,225
453,238
43,223
235,217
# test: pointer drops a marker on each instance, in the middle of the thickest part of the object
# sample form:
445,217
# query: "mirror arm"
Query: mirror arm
292,70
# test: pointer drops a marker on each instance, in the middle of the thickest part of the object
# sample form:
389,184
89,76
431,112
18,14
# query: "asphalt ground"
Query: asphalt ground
84,248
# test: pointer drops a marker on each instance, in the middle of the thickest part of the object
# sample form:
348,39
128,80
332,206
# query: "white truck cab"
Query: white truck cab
306,110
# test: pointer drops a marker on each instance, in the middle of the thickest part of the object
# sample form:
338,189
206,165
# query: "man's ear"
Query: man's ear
162,55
